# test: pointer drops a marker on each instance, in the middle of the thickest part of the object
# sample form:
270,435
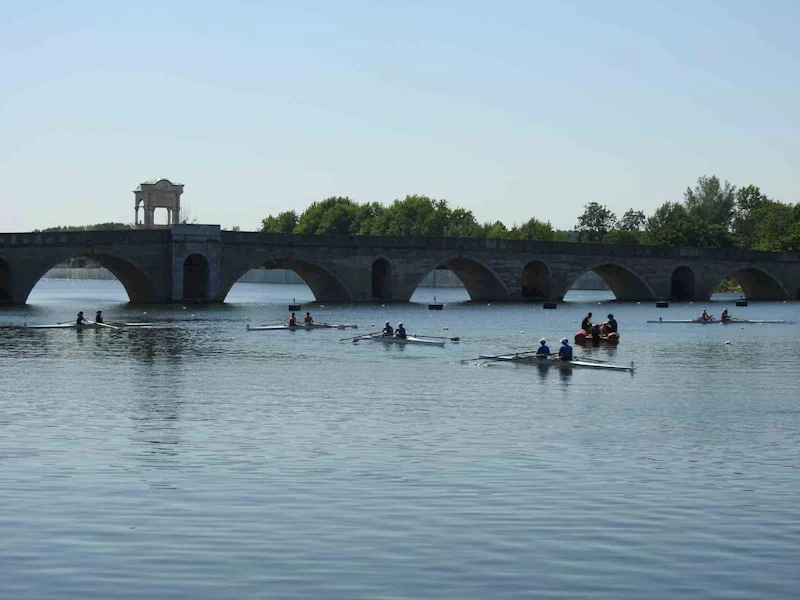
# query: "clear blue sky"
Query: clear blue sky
511,109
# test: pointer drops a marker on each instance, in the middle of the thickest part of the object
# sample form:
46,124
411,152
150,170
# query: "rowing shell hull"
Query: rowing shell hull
403,341
72,326
715,322
297,327
549,362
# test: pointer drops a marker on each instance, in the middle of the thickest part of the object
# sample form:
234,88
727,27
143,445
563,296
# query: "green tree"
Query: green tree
462,223
96,227
711,201
624,237
748,202
332,215
595,222
285,222
672,224
776,230
495,231
632,220
535,230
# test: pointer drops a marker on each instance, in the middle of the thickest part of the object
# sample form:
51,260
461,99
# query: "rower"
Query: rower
544,350
308,320
387,330
705,316
98,318
401,331
724,316
292,320
565,352
610,326
586,324
80,320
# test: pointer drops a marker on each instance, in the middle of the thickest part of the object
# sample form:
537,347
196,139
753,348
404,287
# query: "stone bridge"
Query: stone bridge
201,263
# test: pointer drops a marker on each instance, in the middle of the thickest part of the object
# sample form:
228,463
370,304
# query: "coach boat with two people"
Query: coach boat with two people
598,333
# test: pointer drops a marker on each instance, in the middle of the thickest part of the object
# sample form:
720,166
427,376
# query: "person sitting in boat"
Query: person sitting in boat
401,331
98,318
308,319
565,352
586,324
292,320
724,316
80,320
387,330
705,316
610,326
544,350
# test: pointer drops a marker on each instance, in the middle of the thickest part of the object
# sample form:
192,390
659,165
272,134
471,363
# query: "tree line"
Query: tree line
712,215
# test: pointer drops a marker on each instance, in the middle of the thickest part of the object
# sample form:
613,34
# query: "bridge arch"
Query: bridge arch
382,279
535,281
758,284
5,282
326,285
480,280
196,269
623,281
137,283
682,284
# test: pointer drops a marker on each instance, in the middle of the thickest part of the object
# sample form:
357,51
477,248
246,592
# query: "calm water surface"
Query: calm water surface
197,460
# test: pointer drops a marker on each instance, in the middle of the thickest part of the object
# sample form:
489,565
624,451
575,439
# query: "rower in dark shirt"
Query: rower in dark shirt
565,352
80,320
586,324
98,318
400,331
611,324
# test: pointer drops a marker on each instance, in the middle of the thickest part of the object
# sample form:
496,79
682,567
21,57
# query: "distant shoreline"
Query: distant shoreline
440,278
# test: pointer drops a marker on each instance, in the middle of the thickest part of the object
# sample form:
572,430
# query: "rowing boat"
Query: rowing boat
88,325
529,359
284,327
717,322
387,339
72,326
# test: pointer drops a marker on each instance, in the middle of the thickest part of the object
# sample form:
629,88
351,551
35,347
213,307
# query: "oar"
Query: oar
364,335
495,358
435,337
106,325
587,359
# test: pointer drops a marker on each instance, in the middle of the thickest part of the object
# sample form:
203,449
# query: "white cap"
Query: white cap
564,340
387,322
542,341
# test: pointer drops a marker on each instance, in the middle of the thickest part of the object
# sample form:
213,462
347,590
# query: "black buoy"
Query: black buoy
741,303
435,305
662,304
294,305
550,305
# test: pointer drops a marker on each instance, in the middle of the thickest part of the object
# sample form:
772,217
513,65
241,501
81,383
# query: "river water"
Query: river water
199,460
